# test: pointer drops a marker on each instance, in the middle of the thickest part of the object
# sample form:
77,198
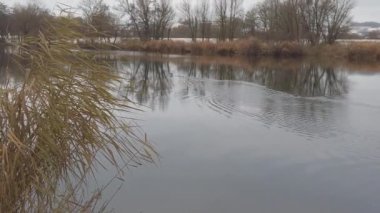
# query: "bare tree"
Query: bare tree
139,16
268,17
251,22
163,15
325,19
4,22
314,14
91,8
289,23
190,17
204,13
262,17
221,9
99,17
28,20
149,18
297,20
338,19
235,13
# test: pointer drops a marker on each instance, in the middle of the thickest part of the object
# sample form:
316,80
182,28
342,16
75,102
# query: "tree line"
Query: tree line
21,20
312,21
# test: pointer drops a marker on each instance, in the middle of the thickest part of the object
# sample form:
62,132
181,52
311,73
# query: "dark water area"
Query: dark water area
277,136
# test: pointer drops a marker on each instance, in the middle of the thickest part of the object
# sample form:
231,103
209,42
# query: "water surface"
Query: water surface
239,135
288,137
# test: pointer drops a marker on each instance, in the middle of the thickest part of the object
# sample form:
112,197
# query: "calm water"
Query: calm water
283,138
238,136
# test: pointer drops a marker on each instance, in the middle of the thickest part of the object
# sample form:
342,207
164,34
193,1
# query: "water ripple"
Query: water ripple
309,117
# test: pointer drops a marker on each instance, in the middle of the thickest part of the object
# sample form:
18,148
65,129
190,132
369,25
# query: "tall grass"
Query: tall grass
58,122
251,47
245,47
364,52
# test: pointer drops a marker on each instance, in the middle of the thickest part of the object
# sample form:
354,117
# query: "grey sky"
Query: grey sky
365,10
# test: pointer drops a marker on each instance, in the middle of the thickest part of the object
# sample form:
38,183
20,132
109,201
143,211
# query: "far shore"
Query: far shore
355,51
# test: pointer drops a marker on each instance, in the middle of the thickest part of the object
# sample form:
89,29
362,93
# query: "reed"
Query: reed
251,47
246,47
59,121
365,51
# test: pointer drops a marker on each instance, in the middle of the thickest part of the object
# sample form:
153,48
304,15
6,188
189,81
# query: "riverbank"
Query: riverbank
239,62
363,51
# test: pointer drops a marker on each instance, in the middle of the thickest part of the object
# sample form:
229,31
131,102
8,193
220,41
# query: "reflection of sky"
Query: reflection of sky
240,147
365,100
365,89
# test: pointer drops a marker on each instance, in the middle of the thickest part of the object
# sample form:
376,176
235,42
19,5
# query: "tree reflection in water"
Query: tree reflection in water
216,86
306,80
149,82
220,87
309,80
272,106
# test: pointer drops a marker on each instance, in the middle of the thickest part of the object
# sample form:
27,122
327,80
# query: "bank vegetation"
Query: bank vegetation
278,28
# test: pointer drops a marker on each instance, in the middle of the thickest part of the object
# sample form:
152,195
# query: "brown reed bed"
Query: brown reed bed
251,47
365,51
246,47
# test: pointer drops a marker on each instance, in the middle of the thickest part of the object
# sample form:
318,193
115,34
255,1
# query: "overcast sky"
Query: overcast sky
365,10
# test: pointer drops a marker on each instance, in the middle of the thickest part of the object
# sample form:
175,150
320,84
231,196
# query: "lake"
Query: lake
252,136
248,135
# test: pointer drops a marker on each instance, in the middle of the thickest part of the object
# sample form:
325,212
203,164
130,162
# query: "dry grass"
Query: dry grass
252,47
246,47
57,123
363,52
288,49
